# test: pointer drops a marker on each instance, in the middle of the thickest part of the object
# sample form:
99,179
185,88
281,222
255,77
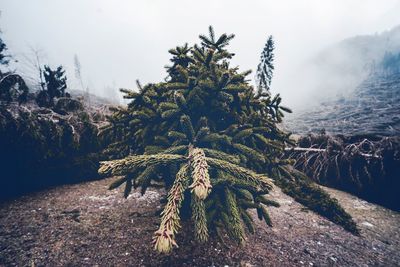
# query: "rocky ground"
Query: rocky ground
86,225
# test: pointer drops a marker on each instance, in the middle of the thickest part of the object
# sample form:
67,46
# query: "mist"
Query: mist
118,42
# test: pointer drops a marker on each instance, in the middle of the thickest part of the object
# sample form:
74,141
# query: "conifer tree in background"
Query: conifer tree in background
265,68
12,85
4,58
56,81
55,84
213,142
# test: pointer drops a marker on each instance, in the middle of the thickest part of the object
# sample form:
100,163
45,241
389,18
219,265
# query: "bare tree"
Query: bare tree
111,93
78,76
30,67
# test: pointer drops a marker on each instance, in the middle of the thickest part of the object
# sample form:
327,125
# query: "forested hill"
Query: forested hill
356,86
373,108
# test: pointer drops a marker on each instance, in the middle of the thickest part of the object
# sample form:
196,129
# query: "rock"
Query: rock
246,264
332,259
307,251
367,224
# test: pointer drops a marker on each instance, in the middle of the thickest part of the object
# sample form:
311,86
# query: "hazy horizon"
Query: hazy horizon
120,41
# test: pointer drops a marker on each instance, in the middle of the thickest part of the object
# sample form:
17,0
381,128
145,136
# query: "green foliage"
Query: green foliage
266,67
54,86
210,137
309,194
4,58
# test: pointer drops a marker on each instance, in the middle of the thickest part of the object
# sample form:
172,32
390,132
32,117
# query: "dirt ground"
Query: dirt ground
87,225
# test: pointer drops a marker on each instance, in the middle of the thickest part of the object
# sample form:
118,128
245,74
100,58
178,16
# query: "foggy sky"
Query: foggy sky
119,41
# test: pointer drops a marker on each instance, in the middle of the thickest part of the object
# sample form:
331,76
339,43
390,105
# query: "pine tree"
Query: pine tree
12,85
213,142
4,58
55,84
265,68
56,81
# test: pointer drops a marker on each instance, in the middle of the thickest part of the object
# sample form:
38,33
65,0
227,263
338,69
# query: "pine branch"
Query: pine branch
212,153
201,185
129,164
235,228
199,219
241,173
164,237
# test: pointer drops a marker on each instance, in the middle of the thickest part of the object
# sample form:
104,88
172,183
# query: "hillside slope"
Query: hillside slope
86,225
372,109
340,68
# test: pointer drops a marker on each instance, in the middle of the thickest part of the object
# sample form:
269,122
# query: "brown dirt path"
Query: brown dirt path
87,225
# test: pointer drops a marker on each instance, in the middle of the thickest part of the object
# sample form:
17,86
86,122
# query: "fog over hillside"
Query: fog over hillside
336,71
352,88
120,41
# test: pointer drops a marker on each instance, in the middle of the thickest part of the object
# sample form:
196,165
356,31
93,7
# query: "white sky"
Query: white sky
120,41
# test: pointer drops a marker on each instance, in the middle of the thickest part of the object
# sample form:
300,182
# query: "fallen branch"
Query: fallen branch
310,149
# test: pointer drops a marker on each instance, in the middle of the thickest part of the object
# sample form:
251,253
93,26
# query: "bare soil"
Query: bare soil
87,225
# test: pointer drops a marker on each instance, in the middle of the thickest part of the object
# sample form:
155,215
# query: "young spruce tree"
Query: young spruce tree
54,86
266,67
213,142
